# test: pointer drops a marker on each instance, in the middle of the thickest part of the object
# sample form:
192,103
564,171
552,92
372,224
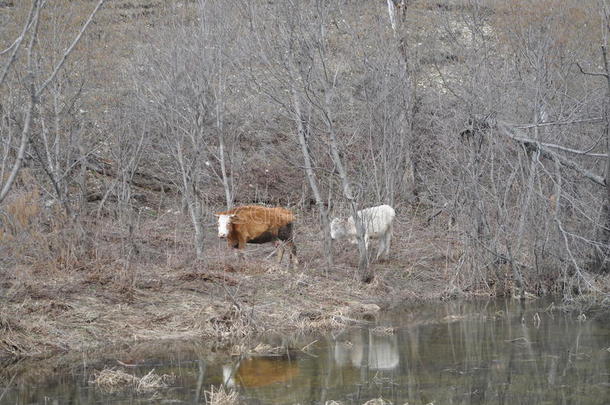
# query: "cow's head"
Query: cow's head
224,220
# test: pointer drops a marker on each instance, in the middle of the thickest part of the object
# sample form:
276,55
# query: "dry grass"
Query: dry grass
220,396
377,401
110,380
162,293
383,330
15,341
259,349
108,300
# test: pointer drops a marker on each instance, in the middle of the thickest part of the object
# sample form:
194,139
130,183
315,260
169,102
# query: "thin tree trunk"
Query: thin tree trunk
363,261
25,137
221,141
194,206
311,177
605,237
195,211
223,170
397,20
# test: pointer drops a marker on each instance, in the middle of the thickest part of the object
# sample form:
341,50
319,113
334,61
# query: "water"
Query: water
493,352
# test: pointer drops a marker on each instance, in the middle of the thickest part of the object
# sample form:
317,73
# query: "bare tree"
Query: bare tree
36,84
276,50
180,100
183,84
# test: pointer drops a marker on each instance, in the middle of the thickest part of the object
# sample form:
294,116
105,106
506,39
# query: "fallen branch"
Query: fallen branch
139,179
553,123
545,152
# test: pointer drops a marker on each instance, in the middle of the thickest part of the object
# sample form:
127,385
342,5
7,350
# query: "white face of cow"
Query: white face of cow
223,225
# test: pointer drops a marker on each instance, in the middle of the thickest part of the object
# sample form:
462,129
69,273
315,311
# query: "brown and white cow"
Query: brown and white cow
256,224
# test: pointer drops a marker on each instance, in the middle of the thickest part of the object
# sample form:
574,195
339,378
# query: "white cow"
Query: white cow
377,223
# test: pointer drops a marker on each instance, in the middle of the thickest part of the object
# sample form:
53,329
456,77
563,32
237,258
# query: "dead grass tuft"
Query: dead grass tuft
259,349
235,323
263,348
325,321
209,276
383,331
377,401
220,396
15,341
152,381
22,211
111,380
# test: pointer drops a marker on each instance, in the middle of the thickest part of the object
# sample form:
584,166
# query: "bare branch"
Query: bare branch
575,151
547,124
25,135
25,131
17,43
70,48
590,73
507,130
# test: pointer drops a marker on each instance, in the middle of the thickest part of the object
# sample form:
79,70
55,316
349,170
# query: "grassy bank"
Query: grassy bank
158,291
148,286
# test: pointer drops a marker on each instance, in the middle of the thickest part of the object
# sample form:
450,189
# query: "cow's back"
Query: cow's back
377,220
254,220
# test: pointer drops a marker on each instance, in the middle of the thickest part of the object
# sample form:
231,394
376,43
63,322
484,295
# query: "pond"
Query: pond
491,352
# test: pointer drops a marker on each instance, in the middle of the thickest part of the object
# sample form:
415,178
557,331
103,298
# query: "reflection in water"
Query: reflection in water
260,371
380,351
495,352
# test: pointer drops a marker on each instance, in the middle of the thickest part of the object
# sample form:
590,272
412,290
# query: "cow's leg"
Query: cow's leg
293,254
280,251
285,234
241,245
381,247
388,242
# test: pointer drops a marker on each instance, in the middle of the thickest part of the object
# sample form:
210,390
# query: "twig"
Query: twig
70,48
7,387
17,43
521,339
306,346
590,73
546,124
125,364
